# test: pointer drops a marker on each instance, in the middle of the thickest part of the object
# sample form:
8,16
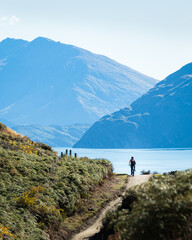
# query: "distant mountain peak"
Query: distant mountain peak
12,40
42,39
86,85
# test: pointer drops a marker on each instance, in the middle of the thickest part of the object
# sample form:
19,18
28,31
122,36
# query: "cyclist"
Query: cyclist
132,164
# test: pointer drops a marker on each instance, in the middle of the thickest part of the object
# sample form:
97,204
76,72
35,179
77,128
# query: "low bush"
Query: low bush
144,172
158,210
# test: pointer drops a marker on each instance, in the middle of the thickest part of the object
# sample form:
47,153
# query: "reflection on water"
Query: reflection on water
157,159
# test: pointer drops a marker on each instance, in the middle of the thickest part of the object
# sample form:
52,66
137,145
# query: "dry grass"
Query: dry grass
13,133
7,131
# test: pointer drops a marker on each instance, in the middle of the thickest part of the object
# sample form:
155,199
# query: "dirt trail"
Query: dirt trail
96,226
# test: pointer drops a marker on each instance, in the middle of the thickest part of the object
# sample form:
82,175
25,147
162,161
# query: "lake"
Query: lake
160,160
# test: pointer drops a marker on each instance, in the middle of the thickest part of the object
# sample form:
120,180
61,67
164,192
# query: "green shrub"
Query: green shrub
33,199
158,210
36,193
144,172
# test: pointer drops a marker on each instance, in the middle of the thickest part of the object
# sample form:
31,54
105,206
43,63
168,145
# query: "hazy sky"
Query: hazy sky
151,36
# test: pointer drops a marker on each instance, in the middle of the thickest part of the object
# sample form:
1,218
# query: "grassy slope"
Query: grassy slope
158,210
38,190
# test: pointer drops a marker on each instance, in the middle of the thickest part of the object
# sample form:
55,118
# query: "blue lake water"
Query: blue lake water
160,160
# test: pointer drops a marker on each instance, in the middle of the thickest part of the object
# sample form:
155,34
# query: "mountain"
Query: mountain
6,122
159,119
54,135
46,82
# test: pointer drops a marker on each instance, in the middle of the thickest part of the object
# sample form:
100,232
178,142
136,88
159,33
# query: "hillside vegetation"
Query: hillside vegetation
160,209
39,190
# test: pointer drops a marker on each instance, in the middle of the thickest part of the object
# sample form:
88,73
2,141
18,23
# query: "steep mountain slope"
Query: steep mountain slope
160,118
54,135
46,82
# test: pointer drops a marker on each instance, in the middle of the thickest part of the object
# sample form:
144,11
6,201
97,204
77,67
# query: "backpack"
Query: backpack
133,162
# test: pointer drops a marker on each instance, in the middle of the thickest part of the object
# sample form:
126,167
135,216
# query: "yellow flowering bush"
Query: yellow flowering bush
5,232
47,214
28,146
29,198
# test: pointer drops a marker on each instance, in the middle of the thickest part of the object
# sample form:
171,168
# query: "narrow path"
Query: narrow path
96,226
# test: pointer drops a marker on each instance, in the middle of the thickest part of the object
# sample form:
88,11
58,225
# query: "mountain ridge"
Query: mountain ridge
160,118
53,135
43,76
45,83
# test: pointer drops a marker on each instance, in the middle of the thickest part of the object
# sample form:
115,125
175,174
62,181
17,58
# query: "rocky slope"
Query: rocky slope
159,119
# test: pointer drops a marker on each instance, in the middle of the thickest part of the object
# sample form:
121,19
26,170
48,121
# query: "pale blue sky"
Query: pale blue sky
151,36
